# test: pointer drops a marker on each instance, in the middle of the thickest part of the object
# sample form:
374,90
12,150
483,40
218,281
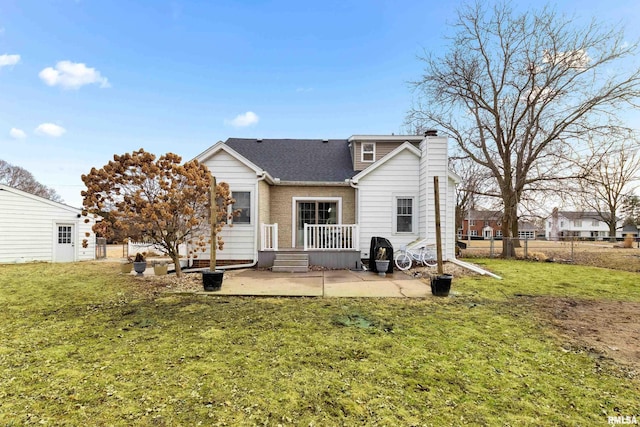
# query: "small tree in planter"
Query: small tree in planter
218,218
157,200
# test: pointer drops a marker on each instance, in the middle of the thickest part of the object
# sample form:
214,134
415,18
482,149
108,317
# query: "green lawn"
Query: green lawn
79,344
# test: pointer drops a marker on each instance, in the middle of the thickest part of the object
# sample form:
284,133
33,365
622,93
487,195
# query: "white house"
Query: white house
330,197
33,228
580,224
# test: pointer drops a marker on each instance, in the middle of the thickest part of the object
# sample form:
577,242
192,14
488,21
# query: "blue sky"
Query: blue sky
81,80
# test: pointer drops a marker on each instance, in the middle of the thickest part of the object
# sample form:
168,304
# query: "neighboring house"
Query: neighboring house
33,228
481,224
581,224
484,224
330,197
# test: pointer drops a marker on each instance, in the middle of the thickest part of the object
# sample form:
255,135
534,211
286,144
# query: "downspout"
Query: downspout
255,233
354,185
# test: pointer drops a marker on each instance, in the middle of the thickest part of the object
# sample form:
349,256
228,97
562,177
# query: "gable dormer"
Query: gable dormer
368,149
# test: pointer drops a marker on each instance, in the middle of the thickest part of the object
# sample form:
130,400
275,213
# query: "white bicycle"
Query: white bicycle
424,255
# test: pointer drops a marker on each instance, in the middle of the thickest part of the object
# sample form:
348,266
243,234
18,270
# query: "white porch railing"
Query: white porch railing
331,237
269,237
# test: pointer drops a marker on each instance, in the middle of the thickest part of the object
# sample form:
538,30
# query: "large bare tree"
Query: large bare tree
518,90
614,176
22,179
472,188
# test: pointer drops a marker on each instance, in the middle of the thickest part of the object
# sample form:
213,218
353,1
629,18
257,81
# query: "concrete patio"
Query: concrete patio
328,283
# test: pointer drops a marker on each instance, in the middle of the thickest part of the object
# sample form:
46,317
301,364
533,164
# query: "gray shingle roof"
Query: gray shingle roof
573,215
298,159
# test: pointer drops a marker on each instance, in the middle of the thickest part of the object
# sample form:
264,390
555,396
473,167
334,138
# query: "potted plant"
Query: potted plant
382,262
160,268
139,264
441,285
220,201
126,266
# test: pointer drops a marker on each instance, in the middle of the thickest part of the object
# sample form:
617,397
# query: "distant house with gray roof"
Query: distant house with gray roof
331,196
581,224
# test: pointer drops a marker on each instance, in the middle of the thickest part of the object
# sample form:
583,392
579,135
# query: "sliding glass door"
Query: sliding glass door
313,212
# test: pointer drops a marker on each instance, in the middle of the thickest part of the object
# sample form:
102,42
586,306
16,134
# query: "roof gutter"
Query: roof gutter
312,183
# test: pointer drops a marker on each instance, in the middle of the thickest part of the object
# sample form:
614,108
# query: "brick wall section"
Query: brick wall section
203,263
281,205
264,207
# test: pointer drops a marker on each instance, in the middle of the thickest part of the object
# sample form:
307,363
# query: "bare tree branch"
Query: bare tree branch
520,92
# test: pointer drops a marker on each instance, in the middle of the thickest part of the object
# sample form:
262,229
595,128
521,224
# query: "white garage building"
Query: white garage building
33,228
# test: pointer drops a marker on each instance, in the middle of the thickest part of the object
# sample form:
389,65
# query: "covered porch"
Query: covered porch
326,245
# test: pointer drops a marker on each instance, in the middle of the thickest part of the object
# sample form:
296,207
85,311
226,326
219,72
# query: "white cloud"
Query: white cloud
243,120
9,60
72,75
50,129
577,59
16,133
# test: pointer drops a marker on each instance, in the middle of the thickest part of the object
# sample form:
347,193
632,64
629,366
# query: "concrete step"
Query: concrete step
292,256
289,269
287,262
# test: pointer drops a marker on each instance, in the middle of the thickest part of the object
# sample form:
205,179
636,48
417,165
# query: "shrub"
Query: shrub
537,256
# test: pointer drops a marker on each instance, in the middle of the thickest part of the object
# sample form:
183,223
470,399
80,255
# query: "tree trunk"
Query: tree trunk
612,232
510,216
515,240
176,260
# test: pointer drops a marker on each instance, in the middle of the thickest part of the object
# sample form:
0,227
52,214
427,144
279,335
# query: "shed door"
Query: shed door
65,243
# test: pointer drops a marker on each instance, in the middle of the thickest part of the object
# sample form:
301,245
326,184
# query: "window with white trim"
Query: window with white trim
242,204
474,232
404,214
368,152
595,223
526,234
577,223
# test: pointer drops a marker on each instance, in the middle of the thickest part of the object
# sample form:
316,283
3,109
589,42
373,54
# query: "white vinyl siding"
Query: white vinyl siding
377,193
434,162
239,240
29,231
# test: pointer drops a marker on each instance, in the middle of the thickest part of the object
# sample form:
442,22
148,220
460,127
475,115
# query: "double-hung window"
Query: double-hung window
368,152
404,214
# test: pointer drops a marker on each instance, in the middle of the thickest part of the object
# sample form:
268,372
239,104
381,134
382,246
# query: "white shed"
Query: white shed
33,228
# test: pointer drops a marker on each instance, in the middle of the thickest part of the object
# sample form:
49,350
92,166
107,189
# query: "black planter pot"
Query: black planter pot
212,280
441,285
